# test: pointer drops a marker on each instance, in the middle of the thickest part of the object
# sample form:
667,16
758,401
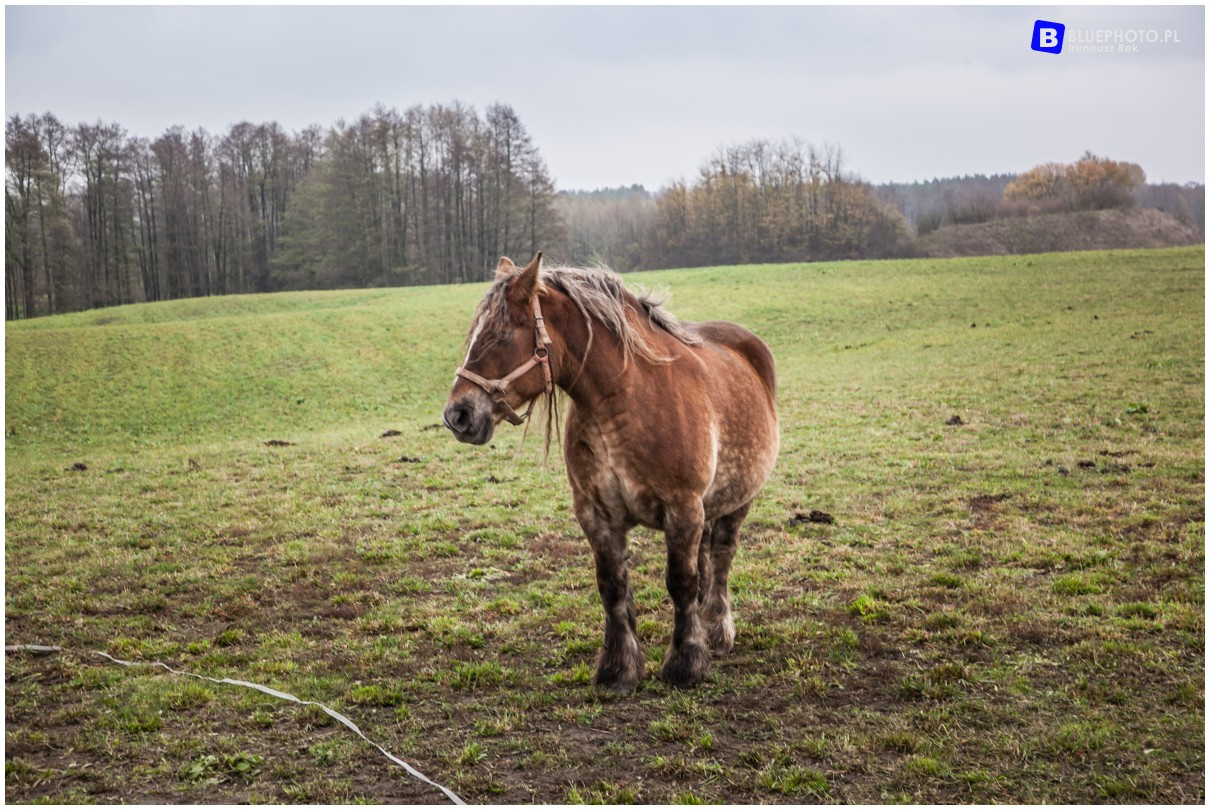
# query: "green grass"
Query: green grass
1009,607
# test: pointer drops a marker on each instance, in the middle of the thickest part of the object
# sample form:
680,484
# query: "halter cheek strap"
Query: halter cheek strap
498,389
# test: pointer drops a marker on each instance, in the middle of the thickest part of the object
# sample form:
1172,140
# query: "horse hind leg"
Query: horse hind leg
705,567
716,600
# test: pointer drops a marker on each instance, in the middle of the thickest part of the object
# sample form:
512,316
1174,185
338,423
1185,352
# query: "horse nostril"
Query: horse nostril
458,418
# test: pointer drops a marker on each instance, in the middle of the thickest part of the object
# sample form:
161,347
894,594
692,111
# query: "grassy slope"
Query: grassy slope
1010,609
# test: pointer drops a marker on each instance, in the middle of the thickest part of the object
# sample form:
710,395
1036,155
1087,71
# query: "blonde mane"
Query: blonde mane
601,296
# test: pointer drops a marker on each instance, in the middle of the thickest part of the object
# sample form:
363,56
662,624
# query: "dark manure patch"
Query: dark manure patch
814,516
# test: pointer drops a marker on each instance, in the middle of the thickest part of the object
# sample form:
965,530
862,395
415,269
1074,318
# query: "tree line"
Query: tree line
428,196
755,202
769,201
760,201
96,217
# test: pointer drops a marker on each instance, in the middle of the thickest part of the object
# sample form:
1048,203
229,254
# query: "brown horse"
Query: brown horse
671,425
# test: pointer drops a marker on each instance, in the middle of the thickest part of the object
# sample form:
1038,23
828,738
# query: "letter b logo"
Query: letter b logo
1048,37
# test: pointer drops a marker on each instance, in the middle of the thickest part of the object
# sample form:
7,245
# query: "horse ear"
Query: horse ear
523,287
505,267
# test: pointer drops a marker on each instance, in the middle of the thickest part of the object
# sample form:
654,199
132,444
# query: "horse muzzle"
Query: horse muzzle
470,419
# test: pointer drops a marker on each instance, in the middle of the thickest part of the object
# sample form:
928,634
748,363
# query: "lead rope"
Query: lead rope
335,715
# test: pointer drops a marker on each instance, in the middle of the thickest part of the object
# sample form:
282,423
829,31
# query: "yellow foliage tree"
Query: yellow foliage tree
1091,183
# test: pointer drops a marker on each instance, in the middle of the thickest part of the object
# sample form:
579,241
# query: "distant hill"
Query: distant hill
1186,202
974,199
1046,233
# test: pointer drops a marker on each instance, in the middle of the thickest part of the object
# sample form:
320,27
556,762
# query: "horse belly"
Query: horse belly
737,481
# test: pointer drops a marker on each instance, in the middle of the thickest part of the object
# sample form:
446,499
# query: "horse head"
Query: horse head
507,359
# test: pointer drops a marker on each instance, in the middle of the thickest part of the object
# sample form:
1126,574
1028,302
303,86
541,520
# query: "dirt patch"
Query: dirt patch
560,547
986,503
984,509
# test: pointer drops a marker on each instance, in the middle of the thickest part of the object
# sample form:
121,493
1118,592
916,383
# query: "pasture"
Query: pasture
1008,605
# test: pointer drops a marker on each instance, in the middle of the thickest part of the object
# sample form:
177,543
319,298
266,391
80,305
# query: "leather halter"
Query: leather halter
498,389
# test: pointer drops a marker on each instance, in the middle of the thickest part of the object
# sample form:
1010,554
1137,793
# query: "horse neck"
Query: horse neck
587,378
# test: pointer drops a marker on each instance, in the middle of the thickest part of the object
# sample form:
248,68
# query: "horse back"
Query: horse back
746,344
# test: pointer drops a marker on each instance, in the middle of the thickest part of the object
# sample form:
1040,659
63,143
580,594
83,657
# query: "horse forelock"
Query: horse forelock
493,320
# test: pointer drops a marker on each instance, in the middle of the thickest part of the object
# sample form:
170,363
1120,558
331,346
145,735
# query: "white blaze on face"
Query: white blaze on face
471,347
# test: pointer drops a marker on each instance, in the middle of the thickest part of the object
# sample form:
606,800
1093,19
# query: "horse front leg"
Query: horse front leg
688,659
620,664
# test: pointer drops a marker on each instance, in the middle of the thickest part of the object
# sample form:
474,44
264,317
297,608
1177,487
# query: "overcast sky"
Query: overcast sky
620,95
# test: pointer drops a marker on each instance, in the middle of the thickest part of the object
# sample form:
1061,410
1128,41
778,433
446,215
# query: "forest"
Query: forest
96,216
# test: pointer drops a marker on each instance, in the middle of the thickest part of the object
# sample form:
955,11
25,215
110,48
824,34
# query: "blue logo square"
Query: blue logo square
1048,37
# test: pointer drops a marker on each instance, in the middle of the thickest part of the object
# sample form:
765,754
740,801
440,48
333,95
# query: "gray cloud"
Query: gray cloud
618,95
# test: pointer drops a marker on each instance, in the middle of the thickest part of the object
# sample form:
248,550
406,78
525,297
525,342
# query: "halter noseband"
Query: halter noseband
498,389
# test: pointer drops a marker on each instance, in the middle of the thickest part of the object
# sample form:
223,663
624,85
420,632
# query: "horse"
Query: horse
670,425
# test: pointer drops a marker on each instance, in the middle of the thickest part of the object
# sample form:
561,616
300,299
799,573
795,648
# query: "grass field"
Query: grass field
1009,606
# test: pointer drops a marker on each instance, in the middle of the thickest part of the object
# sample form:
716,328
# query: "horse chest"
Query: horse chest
607,473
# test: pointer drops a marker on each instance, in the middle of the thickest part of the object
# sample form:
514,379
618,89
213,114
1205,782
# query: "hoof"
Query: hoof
617,683
685,667
619,673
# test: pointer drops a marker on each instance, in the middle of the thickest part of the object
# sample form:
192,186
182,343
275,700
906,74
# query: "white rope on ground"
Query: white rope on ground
335,715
